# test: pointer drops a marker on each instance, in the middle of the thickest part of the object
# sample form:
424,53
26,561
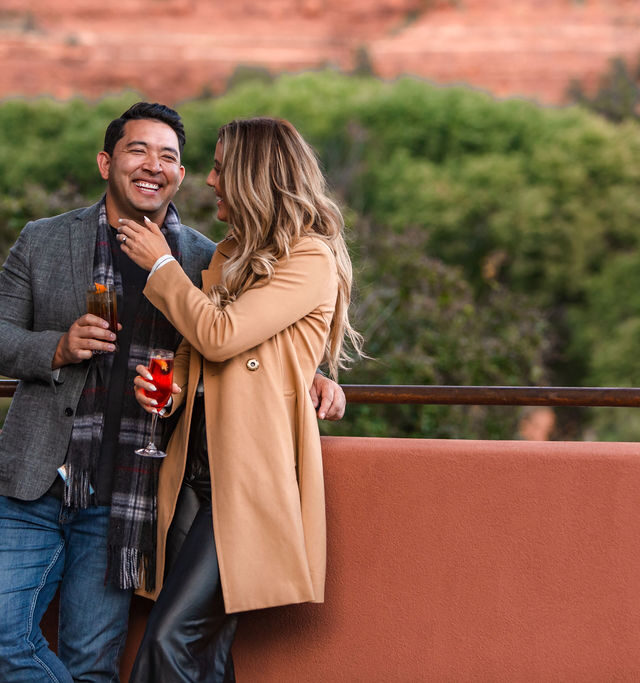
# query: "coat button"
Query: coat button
68,412
253,364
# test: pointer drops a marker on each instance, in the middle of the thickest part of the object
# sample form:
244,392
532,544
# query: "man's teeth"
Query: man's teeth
147,186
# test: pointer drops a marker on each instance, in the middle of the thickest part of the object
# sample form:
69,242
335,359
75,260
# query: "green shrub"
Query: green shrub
493,241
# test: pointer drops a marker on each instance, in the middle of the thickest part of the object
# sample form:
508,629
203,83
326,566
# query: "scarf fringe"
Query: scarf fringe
127,566
77,490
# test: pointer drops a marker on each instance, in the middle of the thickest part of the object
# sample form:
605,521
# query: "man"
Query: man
72,526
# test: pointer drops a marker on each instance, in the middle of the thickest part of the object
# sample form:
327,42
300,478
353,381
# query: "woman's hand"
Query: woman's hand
144,380
143,244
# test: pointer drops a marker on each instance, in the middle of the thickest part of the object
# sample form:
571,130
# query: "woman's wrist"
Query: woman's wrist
161,261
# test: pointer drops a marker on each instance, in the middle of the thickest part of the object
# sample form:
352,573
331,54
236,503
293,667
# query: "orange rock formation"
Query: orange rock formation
172,50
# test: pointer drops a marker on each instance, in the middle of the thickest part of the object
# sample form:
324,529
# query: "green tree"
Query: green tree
617,96
425,325
494,242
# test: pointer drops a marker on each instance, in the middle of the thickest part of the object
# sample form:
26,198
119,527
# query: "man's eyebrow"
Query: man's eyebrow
133,143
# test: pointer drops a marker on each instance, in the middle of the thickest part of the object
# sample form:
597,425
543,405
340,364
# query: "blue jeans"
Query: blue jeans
43,547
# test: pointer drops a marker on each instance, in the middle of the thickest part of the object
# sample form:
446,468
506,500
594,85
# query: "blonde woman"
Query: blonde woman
246,448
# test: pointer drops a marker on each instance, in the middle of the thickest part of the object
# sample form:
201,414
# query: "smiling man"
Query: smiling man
143,170
92,531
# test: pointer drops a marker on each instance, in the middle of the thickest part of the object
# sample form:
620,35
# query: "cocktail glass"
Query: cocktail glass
161,369
102,301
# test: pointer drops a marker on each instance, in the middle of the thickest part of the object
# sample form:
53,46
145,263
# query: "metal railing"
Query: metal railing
469,395
7,387
493,396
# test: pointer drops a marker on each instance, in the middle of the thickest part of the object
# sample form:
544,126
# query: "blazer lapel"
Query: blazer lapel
82,244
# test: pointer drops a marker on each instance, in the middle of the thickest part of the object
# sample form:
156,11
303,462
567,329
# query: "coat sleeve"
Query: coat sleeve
301,284
24,353
180,375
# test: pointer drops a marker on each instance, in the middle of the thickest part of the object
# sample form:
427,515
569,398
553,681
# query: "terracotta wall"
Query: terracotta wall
464,561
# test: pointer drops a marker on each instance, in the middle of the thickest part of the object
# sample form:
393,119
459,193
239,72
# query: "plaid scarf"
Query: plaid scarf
132,530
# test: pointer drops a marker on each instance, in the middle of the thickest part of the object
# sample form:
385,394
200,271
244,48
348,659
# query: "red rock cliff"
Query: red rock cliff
175,49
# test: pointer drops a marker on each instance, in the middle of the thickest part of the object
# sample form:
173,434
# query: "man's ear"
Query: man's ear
104,163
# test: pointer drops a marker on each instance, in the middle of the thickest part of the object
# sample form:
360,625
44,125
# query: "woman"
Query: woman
273,307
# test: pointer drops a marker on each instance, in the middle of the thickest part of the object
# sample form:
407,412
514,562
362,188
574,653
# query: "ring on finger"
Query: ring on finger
124,239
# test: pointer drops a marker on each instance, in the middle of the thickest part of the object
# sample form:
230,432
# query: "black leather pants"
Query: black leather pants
188,636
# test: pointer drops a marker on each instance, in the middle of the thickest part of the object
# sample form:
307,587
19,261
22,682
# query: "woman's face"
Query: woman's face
213,180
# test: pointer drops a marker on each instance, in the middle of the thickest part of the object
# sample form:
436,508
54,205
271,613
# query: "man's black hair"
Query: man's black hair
144,110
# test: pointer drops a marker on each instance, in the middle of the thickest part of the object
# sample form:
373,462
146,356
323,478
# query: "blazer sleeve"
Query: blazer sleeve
304,282
24,353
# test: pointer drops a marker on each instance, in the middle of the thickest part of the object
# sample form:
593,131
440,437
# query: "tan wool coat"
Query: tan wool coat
258,357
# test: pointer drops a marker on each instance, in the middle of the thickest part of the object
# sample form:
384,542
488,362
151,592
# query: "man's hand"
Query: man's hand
87,334
328,398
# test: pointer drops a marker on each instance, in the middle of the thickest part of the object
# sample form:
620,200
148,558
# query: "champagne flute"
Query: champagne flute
161,369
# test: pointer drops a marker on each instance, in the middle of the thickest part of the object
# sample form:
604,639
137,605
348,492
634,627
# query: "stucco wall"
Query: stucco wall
464,561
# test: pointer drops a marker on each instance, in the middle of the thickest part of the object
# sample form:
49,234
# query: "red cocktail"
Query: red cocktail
161,369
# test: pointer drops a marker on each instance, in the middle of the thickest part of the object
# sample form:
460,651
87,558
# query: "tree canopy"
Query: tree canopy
494,242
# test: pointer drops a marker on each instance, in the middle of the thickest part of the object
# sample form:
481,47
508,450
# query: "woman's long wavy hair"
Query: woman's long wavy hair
276,194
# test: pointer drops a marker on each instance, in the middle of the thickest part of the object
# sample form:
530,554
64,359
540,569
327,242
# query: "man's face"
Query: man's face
143,173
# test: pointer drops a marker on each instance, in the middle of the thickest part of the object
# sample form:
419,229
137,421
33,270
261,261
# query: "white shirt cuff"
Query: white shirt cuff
165,258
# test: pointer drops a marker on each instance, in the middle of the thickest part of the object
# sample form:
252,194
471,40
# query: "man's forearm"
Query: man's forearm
25,354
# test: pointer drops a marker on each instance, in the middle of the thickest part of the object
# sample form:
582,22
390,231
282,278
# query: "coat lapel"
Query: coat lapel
82,243
213,274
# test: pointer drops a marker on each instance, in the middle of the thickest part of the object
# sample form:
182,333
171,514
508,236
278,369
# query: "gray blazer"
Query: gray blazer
42,292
